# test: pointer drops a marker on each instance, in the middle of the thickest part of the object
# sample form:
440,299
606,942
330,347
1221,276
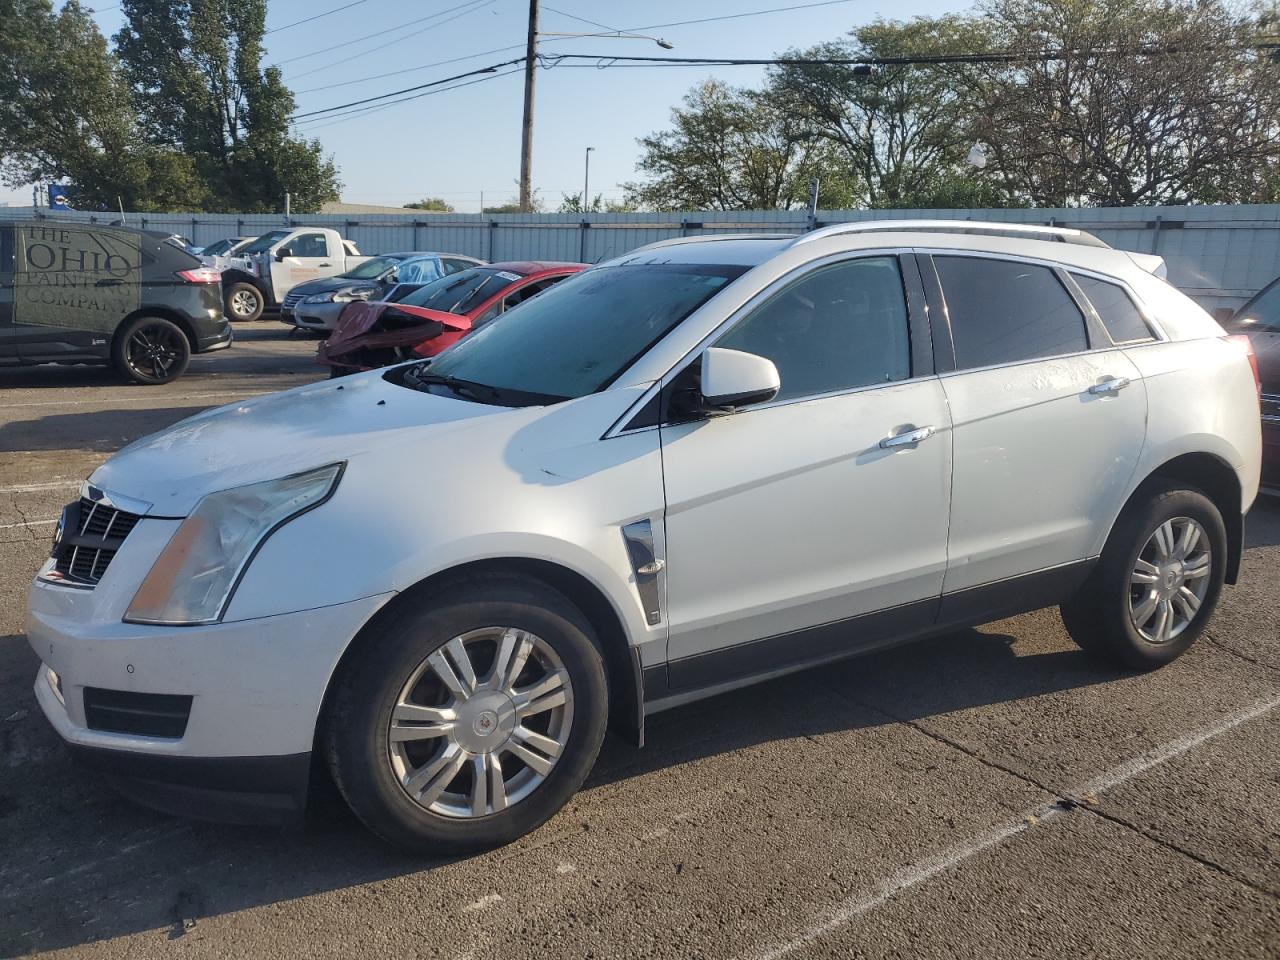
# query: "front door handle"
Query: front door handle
326,264
1111,385
908,438
109,283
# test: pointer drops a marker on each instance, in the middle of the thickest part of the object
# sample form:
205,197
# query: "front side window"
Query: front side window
1118,313
837,328
417,270
218,248
1003,311
577,337
1260,315
309,245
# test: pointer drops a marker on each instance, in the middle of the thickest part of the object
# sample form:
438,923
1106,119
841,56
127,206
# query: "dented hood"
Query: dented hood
275,435
358,318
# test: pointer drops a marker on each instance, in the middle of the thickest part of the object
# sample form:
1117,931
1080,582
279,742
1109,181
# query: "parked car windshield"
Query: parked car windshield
371,269
265,241
580,335
461,291
1260,316
218,248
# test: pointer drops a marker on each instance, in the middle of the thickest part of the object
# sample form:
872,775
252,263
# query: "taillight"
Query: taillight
200,275
1245,342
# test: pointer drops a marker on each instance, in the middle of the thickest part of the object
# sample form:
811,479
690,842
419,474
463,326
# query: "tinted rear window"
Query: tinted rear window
461,292
1119,314
1003,311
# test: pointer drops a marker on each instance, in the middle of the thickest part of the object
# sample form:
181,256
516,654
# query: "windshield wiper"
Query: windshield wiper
419,377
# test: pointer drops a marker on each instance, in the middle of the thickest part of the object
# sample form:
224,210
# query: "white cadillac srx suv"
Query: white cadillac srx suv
704,463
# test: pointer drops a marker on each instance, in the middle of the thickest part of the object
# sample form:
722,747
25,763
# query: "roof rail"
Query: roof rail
1035,231
703,237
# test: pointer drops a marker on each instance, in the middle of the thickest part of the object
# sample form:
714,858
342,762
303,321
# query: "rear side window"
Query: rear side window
837,328
1003,311
1119,314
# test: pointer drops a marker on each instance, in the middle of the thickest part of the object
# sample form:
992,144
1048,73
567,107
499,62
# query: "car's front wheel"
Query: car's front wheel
466,719
243,301
1157,581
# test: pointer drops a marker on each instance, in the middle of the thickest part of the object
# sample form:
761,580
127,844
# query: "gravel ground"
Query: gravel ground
993,793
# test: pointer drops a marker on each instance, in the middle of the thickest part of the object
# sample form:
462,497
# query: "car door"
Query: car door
1048,421
812,525
309,258
8,341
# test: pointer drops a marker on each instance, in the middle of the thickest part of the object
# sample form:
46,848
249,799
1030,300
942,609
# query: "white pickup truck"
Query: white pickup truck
277,262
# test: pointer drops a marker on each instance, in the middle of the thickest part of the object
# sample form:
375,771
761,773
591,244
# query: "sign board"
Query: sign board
58,197
84,278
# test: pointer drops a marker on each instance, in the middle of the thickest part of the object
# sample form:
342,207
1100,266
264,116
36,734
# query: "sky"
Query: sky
462,143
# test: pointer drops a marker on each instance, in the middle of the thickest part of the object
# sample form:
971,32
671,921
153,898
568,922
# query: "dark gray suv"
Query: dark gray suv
74,292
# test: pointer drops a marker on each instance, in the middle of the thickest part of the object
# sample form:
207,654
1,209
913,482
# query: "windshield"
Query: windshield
575,338
215,249
1261,315
460,292
371,269
265,241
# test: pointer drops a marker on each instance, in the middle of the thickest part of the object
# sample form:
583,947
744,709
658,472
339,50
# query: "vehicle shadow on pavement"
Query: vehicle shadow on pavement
80,864
102,431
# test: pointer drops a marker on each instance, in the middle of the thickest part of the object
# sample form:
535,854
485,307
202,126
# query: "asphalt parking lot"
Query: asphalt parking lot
993,793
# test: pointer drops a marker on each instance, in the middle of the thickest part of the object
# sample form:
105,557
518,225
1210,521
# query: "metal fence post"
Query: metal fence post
583,227
493,227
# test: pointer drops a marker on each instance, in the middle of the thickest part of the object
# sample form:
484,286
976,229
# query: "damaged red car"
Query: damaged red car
428,319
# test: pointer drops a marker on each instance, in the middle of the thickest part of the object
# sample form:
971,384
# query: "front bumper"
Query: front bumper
256,689
322,317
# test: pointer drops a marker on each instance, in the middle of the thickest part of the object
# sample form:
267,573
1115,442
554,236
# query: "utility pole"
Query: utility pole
586,182
526,130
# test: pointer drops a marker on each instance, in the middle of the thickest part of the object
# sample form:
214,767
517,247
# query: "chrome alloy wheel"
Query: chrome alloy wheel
481,722
244,303
1170,579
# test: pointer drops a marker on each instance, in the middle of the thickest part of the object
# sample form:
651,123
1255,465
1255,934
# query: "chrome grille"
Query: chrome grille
291,300
90,534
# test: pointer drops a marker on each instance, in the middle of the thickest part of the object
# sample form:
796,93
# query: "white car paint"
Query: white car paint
772,519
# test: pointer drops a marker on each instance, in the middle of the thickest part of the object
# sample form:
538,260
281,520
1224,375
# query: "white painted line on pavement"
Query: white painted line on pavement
852,908
31,487
27,523
154,398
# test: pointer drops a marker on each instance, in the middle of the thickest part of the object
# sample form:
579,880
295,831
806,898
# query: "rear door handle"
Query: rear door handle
109,283
1112,385
908,438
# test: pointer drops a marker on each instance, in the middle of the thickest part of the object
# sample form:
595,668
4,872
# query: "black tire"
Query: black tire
356,729
242,301
1098,617
151,350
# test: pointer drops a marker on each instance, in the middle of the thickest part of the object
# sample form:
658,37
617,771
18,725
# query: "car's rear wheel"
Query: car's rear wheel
151,350
470,717
1157,582
243,301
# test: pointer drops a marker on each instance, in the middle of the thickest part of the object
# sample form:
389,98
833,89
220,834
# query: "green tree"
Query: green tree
735,149
195,70
904,130
1154,102
572,203
65,115
431,204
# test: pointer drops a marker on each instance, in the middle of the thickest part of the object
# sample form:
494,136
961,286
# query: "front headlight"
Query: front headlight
192,580
341,296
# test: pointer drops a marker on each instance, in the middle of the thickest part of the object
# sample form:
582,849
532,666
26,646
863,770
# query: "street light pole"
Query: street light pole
526,130
586,181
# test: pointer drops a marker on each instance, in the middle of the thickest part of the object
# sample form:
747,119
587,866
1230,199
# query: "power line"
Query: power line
298,23
574,16
492,68
370,36
372,108
520,46
472,6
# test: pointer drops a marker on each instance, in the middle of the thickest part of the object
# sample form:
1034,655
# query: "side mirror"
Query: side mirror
390,278
733,379
1223,314
283,252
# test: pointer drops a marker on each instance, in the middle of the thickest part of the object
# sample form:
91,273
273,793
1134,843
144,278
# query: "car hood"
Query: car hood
328,284
276,435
